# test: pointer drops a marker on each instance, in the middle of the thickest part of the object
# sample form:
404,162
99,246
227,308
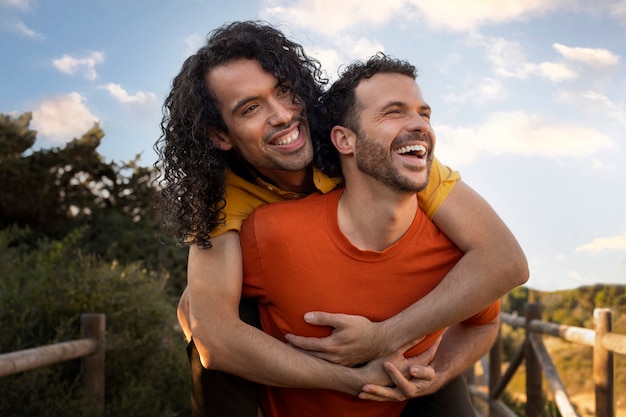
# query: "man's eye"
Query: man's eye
284,89
249,109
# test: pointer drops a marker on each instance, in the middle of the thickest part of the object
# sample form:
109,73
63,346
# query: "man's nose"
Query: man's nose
281,113
418,123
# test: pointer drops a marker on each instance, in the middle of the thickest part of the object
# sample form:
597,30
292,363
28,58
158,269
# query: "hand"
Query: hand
420,381
355,339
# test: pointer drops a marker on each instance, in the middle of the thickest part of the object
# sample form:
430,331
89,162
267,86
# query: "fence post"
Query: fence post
603,365
495,366
93,326
534,394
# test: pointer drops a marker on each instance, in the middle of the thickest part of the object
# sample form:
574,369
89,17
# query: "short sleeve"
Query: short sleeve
485,316
440,183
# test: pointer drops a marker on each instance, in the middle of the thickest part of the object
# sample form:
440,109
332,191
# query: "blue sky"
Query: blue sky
528,96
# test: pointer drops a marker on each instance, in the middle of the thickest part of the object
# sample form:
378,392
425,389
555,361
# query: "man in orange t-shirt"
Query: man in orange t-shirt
366,249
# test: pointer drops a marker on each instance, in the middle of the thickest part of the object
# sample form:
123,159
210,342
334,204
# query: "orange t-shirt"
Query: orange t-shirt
297,260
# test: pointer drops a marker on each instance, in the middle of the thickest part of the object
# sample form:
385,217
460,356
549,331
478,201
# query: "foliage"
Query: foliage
77,235
42,296
54,191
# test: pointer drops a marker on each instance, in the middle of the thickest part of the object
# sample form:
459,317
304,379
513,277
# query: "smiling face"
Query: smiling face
266,126
394,141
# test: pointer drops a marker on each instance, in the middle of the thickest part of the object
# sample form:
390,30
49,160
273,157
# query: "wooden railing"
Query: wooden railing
90,347
537,362
532,352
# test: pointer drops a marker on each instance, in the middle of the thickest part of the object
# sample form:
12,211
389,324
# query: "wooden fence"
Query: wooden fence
537,362
90,347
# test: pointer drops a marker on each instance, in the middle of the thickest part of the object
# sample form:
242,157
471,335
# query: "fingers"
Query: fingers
311,344
321,318
421,379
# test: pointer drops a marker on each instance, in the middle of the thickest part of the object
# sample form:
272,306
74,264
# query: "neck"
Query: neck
373,217
293,181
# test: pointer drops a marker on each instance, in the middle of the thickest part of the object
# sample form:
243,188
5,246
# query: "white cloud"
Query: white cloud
21,27
331,16
85,65
518,133
612,243
464,15
62,118
17,4
510,61
194,42
595,103
618,11
591,56
487,90
553,71
123,97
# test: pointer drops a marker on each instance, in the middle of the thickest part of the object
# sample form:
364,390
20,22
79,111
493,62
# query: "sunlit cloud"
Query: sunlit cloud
60,119
122,96
19,27
194,42
17,4
611,243
330,17
595,103
464,15
618,11
519,133
449,15
86,65
487,90
509,60
590,56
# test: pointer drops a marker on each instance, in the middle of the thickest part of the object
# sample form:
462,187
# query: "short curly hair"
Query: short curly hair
339,104
191,170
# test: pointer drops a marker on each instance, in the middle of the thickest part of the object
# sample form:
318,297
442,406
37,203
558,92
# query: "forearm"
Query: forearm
225,343
252,354
458,296
460,348
493,265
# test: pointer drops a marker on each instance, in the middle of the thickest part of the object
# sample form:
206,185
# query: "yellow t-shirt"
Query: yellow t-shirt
242,197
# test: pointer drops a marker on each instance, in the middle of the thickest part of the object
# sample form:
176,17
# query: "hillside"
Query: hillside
573,361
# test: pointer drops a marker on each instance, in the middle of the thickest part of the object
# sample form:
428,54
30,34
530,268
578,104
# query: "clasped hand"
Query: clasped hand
357,340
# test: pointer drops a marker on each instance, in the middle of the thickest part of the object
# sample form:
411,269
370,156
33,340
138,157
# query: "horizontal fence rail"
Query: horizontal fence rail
90,348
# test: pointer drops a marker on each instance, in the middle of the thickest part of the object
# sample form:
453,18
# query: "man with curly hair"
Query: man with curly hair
238,132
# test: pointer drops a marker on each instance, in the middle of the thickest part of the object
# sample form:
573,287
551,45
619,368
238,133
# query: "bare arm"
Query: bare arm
493,264
226,343
462,345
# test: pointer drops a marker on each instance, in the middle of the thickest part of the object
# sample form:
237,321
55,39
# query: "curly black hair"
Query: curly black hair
191,170
339,105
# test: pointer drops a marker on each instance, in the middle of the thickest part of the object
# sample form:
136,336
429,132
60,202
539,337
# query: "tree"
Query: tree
55,191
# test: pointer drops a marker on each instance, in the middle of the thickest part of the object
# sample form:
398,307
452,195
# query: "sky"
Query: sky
528,96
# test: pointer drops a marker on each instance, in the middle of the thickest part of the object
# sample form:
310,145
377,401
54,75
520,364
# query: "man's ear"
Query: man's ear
343,139
220,139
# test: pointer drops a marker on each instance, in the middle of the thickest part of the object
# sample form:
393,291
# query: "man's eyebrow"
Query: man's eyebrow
245,100
403,104
242,103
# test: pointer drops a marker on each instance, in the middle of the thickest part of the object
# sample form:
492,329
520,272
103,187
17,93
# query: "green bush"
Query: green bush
43,292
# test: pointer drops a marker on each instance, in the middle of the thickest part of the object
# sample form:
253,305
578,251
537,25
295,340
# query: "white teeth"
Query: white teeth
290,139
418,149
